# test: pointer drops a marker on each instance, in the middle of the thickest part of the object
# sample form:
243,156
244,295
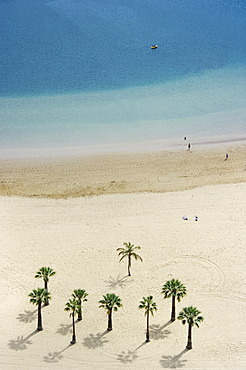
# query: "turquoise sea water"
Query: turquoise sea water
80,73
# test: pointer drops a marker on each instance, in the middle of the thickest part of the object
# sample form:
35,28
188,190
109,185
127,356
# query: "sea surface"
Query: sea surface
80,76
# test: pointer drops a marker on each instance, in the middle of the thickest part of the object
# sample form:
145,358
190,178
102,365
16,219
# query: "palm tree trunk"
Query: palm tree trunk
46,303
79,311
173,308
147,332
129,265
39,328
189,342
73,341
110,321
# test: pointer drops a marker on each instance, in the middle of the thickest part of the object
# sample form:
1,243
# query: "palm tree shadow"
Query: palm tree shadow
118,282
167,323
21,343
127,357
65,329
158,332
54,357
141,345
95,340
173,362
27,316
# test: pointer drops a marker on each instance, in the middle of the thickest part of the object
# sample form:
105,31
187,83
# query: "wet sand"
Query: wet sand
163,171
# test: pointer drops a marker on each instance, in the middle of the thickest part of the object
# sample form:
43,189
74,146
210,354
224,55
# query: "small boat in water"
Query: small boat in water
154,47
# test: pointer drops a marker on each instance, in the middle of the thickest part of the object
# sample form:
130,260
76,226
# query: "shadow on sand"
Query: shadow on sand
64,329
54,357
158,332
118,282
95,340
21,343
173,362
127,357
27,316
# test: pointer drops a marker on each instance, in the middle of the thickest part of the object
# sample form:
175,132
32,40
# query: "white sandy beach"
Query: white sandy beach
78,238
105,140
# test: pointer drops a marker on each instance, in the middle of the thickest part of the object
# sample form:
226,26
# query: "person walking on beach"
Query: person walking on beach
226,156
188,146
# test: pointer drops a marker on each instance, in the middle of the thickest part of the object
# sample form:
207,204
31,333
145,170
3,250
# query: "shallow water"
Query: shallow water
81,73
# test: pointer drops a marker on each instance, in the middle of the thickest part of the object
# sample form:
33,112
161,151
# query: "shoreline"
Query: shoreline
156,145
120,173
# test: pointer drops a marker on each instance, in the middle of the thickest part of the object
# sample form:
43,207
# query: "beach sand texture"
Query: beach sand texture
78,238
165,171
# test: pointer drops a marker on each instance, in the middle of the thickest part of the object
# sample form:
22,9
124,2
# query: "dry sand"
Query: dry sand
78,238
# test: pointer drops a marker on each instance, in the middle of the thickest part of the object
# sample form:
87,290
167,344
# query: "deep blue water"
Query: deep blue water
80,73
63,46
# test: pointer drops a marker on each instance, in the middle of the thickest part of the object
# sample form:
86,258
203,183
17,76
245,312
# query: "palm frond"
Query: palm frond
125,255
38,274
45,273
128,251
39,295
128,245
148,305
120,249
174,288
137,257
110,301
190,315
72,305
80,294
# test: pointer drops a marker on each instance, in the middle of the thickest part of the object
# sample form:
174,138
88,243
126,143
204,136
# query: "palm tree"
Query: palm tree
110,302
72,305
175,289
80,295
150,307
128,252
39,296
45,273
191,316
